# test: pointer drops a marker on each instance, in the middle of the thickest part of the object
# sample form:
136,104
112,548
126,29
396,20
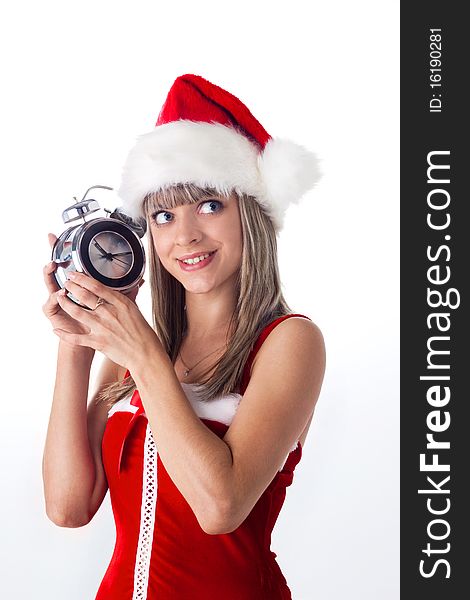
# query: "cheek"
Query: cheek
238,246
234,246
230,230
237,234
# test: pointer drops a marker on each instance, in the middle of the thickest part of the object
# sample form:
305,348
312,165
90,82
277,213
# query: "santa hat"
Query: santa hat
206,136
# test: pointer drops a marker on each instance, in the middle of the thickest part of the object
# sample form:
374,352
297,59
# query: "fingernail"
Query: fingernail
71,275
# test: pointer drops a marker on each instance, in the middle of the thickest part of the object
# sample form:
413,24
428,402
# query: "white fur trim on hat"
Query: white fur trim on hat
217,156
287,171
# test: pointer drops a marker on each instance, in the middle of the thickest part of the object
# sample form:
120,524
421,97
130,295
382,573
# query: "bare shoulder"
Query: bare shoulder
291,338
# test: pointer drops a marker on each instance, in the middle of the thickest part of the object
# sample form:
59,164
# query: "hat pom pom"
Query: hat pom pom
288,171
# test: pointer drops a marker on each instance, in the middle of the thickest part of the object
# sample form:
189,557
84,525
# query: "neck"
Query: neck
208,315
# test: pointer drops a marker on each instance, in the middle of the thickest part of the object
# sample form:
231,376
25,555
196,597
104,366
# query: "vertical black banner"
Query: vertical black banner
435,361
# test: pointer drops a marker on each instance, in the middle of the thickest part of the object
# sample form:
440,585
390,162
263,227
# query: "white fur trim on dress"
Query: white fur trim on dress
220,409
217,156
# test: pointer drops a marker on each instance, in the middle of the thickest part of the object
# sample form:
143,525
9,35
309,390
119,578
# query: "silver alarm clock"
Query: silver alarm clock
109,248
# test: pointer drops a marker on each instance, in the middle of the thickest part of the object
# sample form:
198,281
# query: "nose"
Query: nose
187,230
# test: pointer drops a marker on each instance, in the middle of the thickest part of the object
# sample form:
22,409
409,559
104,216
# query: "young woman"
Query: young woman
197,423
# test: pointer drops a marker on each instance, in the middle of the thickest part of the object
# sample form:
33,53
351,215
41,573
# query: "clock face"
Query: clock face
111,254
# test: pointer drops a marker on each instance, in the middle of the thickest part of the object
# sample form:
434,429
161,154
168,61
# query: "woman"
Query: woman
197,423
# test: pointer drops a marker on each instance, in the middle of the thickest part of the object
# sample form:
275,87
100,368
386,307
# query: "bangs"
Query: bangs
178,195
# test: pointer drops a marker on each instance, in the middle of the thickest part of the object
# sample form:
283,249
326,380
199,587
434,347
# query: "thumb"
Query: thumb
52,239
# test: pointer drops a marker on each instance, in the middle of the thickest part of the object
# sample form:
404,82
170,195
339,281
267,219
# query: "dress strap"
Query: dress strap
259,342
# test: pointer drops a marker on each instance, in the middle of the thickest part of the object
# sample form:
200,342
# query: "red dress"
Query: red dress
161,552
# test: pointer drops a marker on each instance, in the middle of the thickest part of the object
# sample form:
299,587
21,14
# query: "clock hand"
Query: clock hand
103,252
112,258
110,255
120,261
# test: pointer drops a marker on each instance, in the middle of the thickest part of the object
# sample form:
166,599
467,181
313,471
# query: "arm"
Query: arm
223,479
212,474
196,459
279,401
73,475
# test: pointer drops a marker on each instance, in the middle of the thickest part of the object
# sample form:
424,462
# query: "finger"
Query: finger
80,314
86,297
132,293
52,239
97,288
49,279
135,288
76,339
50,306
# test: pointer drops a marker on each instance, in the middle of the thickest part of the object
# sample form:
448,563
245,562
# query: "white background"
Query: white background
80,81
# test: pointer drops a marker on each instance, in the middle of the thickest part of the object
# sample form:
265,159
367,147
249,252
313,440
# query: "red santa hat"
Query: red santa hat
207,136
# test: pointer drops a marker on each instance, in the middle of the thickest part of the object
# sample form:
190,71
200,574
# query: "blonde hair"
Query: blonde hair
258,292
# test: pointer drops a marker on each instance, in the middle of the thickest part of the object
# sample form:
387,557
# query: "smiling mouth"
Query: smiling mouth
197,259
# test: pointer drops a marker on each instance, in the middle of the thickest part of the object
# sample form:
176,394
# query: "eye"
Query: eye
209,207
212,206
160,217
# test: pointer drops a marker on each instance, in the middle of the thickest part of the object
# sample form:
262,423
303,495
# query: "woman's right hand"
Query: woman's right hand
51,308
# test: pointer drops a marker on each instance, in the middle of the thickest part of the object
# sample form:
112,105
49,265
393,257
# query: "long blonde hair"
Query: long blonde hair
258,292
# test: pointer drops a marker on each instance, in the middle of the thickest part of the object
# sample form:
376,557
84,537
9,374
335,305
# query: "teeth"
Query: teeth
194,261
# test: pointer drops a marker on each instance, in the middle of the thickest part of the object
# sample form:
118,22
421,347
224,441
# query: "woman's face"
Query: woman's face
211,226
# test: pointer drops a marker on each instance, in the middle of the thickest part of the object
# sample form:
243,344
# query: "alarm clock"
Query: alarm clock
109,248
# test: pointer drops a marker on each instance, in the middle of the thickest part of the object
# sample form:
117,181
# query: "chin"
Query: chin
198,287
203,283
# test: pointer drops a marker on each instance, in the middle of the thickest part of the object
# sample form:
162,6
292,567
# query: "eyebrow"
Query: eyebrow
160,207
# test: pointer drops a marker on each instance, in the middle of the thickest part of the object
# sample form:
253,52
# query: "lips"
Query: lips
195,254
199,265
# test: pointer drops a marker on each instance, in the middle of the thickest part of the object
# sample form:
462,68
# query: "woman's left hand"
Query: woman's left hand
117,328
